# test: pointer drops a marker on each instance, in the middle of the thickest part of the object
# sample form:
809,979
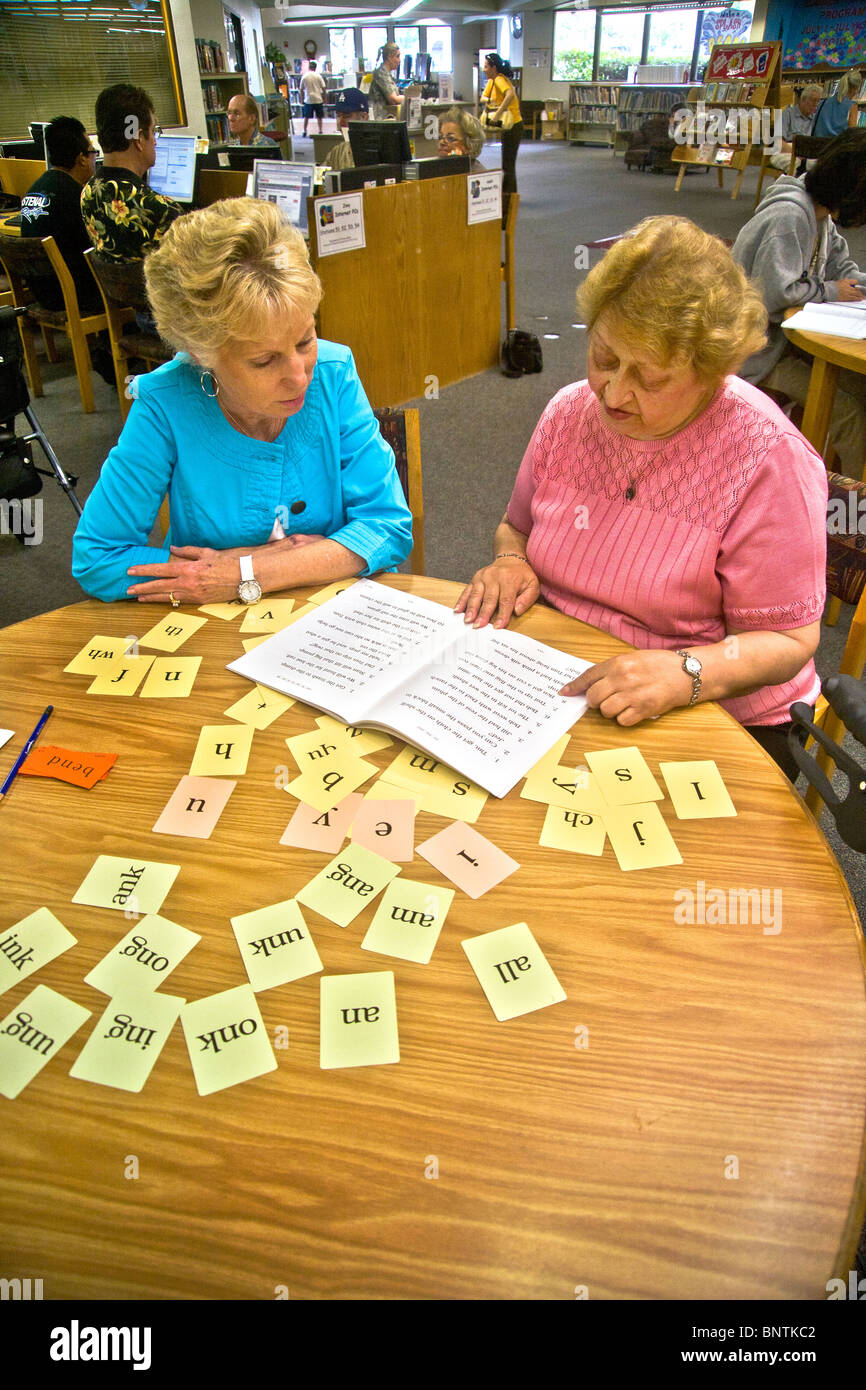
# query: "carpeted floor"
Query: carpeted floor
473,436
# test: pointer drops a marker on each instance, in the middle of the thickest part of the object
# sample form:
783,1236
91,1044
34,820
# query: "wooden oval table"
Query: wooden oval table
688,1124
829,355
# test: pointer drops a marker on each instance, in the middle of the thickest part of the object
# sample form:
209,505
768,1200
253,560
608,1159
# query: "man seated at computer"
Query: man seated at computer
125,218
350,104
243,117
52,207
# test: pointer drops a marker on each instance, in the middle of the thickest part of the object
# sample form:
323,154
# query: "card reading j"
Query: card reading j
358,1020
513,971
640,837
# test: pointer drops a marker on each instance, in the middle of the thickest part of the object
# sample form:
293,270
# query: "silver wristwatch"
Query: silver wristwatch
693,668
249,589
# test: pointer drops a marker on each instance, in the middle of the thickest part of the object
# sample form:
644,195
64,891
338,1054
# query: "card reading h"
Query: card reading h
358,1020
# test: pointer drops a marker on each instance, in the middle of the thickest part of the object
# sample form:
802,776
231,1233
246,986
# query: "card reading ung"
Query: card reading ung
358,1020
33,1033
226,1039
513,971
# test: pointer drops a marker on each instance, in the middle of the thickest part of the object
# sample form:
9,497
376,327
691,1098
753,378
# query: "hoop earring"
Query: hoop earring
211,395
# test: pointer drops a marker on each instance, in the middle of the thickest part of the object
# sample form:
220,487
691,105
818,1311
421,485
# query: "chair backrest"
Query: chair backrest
401,429
810,146
846,538
122,282
17,175
22,257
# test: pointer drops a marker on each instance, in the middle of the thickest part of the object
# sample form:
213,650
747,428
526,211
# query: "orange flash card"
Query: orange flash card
81,769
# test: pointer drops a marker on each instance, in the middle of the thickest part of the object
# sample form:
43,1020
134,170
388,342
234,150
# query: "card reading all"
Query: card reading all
226,1039
276,945
33,1033
142,959
124,1045
408,920
347,885
127,885
30,944
513,971
358,1020
468,859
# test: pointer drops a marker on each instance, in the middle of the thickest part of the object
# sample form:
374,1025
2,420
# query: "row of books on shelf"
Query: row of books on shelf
592,115
729,91
626,122
650,101
210,56
214,96
595,95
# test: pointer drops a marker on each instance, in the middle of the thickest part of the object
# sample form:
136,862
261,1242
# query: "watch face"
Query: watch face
249,591
692,665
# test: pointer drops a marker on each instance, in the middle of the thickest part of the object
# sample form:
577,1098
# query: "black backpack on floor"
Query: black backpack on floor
520,354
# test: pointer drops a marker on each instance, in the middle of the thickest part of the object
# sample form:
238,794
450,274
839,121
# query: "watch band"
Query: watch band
246,564
689,664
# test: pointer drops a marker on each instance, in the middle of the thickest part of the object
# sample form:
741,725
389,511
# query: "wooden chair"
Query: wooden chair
767,171
23,257
18,175
807,147
512,203
401,429
846,581
121,284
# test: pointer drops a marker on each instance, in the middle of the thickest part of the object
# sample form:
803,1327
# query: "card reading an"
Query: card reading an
358,1020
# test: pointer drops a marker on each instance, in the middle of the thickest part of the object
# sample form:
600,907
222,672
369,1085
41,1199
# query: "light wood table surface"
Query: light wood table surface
828,354
705,1143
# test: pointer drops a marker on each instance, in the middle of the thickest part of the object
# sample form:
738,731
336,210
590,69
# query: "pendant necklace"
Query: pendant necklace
242,428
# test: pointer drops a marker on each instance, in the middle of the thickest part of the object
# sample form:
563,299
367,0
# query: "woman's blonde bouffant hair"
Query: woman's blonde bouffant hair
223,272
676,291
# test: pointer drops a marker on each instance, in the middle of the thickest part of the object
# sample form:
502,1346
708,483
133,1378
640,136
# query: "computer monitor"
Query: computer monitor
287,185
379,142
423,64
174,171
37,135
243,156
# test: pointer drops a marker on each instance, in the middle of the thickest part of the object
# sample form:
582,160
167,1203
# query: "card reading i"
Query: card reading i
513,971
467,858
358,1020
697,790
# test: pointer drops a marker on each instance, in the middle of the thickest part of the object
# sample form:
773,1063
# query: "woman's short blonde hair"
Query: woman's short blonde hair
223,272
676,292
469,126
849,85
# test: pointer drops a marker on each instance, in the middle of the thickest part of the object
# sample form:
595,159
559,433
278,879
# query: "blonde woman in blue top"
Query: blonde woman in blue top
260,435
839,112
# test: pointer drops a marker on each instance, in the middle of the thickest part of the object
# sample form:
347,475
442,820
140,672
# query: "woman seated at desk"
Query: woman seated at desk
670,503
461,133
260,436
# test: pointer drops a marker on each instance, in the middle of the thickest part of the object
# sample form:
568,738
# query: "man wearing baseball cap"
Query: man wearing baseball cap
350,104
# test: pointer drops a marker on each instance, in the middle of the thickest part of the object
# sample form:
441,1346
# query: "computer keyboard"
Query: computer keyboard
14,221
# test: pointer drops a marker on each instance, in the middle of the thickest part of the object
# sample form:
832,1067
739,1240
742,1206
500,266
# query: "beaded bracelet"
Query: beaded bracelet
511,555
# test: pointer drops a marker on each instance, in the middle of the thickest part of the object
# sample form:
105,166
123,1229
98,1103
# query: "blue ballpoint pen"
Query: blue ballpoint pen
25,751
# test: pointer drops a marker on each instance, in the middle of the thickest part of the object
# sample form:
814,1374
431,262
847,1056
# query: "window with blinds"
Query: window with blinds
59,54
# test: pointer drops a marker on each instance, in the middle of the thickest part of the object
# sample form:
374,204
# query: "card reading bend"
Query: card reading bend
513,971
358,1020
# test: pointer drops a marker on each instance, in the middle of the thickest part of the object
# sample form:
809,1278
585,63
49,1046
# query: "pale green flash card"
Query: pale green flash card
358,1020
408,920
30,944
348,884
124,1045
226,1038
276,945
33,1033
513,972
127,885
142,959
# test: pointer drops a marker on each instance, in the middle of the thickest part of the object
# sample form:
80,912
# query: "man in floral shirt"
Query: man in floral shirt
124,218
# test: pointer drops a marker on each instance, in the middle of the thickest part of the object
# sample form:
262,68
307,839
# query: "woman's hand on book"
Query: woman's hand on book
508,586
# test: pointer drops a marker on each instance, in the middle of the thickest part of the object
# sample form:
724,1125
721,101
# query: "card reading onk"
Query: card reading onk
513,971
358,1020
226,1038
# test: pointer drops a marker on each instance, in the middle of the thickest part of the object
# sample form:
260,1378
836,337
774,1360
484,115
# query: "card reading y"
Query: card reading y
358,1020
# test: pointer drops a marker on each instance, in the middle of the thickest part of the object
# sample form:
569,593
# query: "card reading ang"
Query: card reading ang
33,1033
127,1040
513,971
226,1039
358,1020
347,885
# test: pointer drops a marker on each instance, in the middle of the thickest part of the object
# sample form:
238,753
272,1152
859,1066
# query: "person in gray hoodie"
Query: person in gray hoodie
794,253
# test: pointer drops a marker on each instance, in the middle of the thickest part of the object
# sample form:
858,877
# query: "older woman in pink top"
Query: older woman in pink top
668,502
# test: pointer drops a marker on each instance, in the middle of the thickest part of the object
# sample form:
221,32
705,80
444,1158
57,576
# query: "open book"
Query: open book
484,702
846,320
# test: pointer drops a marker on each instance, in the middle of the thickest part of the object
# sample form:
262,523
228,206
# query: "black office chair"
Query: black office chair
847,698
19,476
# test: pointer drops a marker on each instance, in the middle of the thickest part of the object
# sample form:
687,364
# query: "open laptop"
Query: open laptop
287,185
173,174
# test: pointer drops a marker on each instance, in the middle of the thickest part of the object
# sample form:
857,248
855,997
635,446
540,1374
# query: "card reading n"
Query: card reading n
139,885
30,944
222,750
171,632
358,1020
276,945
640,838
697,790
142,959
127,1040
171,678
226,1039
408,920
194,807
467,858
513,971
33,1033
623,777
347,885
